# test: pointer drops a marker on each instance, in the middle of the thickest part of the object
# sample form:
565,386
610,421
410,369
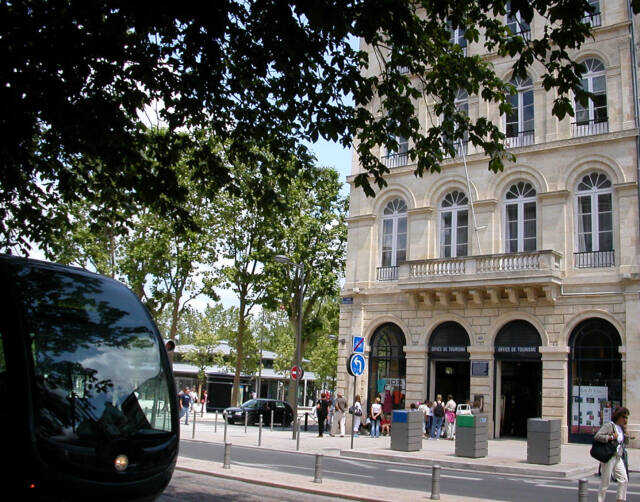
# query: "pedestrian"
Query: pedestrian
450,417
203,401
332,409
357,415
385,425
322,410
387,402
423,409
616,430
438,418
428,418
339,417
376,412
184,400
194,398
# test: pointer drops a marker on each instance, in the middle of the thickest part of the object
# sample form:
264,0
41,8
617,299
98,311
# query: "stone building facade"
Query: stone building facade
533,309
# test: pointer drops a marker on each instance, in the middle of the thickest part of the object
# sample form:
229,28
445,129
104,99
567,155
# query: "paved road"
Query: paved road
189,487
453,482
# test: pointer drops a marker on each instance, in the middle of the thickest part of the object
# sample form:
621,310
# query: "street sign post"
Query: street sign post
355,368
296,373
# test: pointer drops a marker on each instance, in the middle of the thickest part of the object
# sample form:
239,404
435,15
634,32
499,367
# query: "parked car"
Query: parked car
463,409
282,412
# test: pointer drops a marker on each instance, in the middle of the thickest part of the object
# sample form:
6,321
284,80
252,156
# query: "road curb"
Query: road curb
272,484
481,468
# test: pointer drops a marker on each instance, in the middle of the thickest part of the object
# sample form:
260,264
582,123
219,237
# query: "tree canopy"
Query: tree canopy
78,77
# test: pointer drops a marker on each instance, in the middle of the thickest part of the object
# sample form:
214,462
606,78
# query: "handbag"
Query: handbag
351,410
603,451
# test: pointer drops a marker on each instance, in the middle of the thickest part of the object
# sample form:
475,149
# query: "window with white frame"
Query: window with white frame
517,25
394,233
595,18
594,214
520,218
456,37
461,104
592,118
519,122
398,156
454,225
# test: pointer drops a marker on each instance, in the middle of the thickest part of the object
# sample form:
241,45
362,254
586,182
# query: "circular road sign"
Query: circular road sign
355,365
297,372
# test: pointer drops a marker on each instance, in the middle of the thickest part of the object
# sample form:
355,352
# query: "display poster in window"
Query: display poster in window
395,383
587,408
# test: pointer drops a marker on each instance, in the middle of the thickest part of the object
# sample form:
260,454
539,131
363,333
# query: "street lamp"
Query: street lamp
300,267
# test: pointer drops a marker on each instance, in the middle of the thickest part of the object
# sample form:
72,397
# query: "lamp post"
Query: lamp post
300,268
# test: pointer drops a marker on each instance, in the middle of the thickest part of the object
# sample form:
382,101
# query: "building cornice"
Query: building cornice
361,218
562,195
420,210
630,187
490,203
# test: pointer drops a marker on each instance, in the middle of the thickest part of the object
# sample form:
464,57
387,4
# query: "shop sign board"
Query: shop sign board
448,348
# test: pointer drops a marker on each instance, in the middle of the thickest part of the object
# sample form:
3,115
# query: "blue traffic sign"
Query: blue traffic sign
358,344
355,365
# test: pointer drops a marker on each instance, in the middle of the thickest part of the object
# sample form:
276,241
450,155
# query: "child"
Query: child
385,425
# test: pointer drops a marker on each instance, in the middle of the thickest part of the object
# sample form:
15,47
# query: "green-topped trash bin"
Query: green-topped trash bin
472,435
406,430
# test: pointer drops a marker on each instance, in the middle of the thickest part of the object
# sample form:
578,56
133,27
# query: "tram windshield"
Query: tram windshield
97,360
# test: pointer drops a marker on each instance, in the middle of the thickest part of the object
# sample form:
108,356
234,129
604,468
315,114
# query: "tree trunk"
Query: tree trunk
235,391
175,313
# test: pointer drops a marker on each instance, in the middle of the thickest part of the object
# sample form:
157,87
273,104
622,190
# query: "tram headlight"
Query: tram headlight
121,463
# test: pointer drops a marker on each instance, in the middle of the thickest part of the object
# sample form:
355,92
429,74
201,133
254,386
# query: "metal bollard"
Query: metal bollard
215,424
227,456
583,490
226,422
317,475
306,421
246,420
272,420
298,436
260,431
435,483
195,414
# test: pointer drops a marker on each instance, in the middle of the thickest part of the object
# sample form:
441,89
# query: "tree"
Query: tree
323,354
312,233
161,263
77,78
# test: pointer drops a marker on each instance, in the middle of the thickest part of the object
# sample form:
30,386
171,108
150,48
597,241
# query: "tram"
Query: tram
87,397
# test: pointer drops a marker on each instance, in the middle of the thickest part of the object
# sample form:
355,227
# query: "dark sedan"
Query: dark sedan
282,412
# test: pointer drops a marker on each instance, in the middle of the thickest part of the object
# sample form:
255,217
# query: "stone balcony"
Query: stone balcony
515,278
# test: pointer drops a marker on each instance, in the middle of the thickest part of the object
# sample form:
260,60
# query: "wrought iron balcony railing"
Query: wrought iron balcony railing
594,19
395,159
590,127
522,138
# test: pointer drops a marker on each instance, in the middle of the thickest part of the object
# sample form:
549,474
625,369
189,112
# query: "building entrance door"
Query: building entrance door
452,378
518,378
449,368
520,396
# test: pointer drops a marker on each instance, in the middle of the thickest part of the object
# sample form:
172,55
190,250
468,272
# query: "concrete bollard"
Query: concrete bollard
298,436
226,423
246,421
583,490
193,432
215,424
271,420
435,483
317,475
260,431
227,456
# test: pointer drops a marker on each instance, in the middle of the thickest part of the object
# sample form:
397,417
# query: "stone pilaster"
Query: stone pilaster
416,378
554,385
631,362
483,386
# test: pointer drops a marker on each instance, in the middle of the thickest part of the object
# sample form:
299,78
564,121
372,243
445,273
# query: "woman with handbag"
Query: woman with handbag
357,415
611,440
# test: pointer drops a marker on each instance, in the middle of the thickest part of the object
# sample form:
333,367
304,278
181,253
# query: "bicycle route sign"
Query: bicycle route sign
355,364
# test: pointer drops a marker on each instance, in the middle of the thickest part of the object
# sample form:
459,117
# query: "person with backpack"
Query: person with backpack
438,418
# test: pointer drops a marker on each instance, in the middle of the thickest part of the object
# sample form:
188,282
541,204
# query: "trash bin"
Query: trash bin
472,435
406,430
544,443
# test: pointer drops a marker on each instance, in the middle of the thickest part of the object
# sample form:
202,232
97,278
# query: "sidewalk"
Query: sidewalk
505,456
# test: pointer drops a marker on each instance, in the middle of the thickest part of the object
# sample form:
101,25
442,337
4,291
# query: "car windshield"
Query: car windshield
96,358
251,403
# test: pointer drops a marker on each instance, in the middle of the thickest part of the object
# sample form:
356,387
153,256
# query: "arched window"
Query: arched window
394,233
454,225
594,215
520,218
592,118
387,364
519,124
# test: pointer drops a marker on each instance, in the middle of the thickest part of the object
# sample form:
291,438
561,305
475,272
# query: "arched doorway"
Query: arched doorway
518,378
449,362
595,377
387,365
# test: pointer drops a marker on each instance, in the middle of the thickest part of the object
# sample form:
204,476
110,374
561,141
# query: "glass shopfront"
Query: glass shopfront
449,361
387,365
595,377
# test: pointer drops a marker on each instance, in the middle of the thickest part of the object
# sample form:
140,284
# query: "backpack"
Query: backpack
438,411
